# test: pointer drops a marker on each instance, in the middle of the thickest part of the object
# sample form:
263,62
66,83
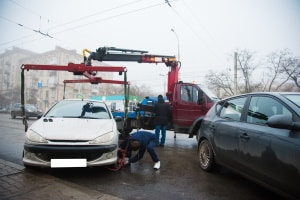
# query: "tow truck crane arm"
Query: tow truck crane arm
130,55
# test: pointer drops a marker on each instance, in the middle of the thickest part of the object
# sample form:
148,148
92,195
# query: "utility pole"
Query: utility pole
235,73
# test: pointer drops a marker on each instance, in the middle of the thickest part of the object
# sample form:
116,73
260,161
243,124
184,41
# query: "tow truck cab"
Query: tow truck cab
190,102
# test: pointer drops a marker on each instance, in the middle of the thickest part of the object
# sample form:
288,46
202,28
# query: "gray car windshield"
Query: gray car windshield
79,109
295,98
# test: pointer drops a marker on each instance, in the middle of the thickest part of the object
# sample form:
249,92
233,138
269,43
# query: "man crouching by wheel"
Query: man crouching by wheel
141,141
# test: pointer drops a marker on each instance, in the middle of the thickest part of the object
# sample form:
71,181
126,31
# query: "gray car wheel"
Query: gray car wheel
206,156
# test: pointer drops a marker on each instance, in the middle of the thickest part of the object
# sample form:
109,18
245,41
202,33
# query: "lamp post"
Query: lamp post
178,54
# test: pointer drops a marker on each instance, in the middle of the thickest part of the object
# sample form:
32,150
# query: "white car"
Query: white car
73,133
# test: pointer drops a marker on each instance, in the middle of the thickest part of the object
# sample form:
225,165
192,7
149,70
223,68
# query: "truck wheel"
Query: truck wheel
206,156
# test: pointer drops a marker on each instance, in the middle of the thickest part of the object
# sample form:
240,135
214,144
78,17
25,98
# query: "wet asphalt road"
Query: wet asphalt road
180,176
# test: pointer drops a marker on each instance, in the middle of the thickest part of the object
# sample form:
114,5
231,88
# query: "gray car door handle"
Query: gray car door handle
244,136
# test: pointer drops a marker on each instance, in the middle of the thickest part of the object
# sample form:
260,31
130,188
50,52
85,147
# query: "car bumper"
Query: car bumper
95,155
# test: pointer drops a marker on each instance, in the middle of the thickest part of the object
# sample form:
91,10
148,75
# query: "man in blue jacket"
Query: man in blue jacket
141,141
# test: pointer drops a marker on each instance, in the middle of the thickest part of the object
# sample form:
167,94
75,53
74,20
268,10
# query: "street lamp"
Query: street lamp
178,54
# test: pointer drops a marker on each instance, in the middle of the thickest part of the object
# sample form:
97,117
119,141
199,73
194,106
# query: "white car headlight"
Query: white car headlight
34,137
107,137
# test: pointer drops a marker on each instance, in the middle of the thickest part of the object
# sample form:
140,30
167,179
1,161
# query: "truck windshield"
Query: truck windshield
209,93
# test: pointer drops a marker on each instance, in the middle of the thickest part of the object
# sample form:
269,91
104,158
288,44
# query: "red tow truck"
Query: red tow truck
189,101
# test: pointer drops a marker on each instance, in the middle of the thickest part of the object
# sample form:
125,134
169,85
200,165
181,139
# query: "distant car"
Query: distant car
72,133
3,110
30,111
256,135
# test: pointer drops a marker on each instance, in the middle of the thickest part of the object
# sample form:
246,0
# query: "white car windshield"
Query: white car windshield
79,109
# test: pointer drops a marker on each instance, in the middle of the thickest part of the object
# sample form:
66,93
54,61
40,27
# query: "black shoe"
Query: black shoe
161,145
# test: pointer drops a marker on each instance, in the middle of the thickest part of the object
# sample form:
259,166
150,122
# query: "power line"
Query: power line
25,27
79,19
25,8
34,13
110,17
21,25
112,9
97,13
193,30
16,23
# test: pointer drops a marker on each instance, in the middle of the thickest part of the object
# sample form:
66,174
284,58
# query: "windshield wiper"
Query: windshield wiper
90,117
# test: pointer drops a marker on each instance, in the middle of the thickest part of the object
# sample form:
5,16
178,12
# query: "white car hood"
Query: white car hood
72,128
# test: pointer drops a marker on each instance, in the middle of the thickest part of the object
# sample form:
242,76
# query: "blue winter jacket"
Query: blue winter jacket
144,137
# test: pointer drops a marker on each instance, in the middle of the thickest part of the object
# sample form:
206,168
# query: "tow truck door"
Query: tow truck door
188,104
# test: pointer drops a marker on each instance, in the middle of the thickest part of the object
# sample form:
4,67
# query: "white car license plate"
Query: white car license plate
55,163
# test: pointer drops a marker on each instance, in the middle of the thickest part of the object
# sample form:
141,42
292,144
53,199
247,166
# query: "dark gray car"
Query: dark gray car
30,111
256,135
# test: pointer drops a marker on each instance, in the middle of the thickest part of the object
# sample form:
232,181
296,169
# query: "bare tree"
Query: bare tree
280,69
246,65
224,80
292,69
221,81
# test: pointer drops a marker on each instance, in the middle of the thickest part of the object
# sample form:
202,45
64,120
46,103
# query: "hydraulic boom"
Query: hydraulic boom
130,55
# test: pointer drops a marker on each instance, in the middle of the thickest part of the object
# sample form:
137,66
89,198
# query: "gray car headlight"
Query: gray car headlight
107,137
33,136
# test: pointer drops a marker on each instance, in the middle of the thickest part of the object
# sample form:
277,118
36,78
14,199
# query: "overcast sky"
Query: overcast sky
207,31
